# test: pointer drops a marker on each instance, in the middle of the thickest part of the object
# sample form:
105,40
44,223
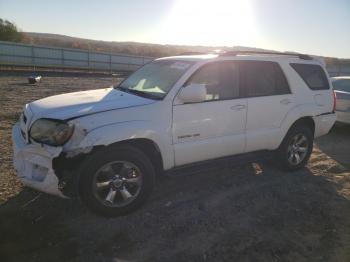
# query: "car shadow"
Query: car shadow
250,212
336,144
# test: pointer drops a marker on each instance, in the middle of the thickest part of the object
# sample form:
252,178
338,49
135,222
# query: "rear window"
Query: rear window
313,75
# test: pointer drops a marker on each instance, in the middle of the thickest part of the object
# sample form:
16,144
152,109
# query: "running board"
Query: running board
219,163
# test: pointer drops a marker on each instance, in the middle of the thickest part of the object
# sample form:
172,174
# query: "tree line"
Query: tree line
9,32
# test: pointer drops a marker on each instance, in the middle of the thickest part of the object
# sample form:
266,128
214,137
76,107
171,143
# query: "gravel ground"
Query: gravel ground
251,212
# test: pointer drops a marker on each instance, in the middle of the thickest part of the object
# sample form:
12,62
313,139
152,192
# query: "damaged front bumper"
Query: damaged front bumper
33,163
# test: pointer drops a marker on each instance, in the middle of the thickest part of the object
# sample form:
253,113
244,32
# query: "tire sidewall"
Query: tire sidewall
283,149
95,161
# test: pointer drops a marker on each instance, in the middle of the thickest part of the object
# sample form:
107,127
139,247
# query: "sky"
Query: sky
318,27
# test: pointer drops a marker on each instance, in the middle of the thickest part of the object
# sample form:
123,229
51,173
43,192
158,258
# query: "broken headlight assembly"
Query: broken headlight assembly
51,132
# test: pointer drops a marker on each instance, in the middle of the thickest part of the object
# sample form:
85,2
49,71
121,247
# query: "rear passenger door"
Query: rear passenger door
269,99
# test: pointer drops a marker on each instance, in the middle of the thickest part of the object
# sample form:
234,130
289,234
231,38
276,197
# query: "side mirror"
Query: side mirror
193,93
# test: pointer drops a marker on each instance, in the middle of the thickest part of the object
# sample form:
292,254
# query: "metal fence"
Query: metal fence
340,69
15,54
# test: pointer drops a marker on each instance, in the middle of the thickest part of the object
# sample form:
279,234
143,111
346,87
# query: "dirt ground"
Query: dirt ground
251,212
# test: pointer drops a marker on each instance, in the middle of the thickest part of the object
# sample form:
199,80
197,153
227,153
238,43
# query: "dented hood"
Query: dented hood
77,104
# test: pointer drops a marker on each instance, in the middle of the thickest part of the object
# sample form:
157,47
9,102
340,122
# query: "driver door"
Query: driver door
216,127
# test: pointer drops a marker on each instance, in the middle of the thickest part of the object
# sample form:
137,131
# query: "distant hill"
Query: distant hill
132,48
136,48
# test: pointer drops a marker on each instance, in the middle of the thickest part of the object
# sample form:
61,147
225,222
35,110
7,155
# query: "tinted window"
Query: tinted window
342,85
221,80
313,76
263,78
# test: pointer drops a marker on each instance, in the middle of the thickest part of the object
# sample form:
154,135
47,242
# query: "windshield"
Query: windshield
342,85
154,80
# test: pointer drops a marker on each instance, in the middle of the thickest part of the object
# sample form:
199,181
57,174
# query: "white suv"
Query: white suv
107,145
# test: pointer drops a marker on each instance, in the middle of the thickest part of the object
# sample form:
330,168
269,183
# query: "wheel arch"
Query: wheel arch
67,168
305,121
302,121
148,147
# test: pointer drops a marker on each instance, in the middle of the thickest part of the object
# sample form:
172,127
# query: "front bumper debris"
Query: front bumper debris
33,164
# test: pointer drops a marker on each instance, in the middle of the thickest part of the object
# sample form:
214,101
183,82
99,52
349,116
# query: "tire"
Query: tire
286,153
116,181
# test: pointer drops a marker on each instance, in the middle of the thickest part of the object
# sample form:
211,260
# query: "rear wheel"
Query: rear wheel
296,148
116,181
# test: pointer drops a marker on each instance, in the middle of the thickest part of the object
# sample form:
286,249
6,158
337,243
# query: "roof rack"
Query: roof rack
234,53
195,53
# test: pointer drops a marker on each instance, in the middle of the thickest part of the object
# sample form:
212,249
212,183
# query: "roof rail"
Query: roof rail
234,53
196,53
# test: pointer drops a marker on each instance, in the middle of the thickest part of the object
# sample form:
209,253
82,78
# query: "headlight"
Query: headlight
51,132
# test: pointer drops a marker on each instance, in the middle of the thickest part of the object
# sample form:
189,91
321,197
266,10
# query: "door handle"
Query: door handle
285,101
237,107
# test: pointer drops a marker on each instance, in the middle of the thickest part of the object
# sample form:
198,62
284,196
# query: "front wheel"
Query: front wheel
116,181
296,148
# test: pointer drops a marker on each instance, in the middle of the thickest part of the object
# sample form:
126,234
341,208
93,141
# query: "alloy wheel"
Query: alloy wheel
117,183
297,149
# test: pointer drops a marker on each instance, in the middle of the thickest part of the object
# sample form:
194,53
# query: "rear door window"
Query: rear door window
262,78
313,75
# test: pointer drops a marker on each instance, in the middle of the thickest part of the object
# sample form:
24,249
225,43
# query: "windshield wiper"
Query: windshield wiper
121,88
139,93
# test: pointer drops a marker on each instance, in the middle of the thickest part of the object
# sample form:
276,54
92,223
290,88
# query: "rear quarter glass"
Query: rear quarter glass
313,75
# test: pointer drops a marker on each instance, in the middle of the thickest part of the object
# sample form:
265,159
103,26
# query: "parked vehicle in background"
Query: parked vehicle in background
341,86
107,145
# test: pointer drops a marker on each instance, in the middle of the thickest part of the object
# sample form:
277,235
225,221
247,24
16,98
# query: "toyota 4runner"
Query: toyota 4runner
107,145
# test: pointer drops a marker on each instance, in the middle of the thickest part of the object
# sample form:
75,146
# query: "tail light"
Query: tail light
334,101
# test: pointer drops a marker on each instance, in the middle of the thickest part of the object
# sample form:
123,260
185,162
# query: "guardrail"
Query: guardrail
36,56
15,54
341,69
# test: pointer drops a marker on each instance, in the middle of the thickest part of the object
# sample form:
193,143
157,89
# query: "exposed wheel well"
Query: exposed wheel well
66,168
148,147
